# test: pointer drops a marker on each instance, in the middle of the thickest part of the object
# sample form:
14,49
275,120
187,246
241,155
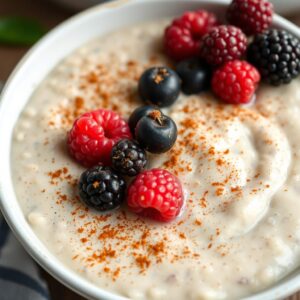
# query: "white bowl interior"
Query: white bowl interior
36,65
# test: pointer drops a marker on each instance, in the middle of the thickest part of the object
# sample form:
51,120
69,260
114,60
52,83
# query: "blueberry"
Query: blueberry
159,86
138,113
156,132
195,76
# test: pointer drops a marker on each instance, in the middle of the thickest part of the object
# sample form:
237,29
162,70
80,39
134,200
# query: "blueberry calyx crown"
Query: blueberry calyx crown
157,116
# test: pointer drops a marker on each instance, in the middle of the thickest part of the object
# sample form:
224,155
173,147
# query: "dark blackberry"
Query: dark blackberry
101,188
276,54
128,158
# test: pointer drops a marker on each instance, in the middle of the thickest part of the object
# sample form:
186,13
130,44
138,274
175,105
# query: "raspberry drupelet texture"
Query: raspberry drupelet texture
276,55
182,37
252,16
156,194
102,188
128,158
94,134
235,82
223,43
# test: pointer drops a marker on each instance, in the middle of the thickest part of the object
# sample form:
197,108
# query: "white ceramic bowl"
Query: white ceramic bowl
36,65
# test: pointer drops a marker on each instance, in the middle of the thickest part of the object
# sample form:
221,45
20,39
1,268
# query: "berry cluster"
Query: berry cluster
219,56
103,141
208,55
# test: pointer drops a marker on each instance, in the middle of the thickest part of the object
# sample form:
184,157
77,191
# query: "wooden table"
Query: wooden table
49,15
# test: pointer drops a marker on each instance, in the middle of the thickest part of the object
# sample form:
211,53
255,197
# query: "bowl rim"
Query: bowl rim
26,236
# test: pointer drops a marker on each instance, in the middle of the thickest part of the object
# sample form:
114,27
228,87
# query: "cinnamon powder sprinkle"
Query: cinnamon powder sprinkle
156,249
107,236
105,253
220,162
61,175
197,222
83,240
96,184
203,200
161,74
142,262
182,235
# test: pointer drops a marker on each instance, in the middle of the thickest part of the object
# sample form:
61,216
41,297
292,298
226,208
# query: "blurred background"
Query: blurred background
23,22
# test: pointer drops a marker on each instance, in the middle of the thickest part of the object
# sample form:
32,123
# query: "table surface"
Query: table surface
49,15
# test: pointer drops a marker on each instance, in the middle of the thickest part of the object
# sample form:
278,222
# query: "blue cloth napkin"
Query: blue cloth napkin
19,276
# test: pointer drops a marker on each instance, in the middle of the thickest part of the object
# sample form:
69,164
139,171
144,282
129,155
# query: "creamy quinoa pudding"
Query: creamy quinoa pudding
239,166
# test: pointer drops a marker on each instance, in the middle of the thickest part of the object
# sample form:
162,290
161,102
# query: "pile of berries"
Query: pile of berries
208,55
211,54
113,148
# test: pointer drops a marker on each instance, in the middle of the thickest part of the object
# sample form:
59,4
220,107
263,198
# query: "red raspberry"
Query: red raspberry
182,37
223,43
252,16
235,82
156,194
94,134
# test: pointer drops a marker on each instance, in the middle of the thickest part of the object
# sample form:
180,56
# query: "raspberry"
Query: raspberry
94,134
156,194
128,158
276,55
223,43
252,16
101,188
235,82
182,37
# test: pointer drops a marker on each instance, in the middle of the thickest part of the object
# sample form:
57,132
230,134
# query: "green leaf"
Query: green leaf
19,31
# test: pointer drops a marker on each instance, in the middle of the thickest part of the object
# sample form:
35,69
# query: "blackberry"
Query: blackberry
101,188
276,55
128,157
